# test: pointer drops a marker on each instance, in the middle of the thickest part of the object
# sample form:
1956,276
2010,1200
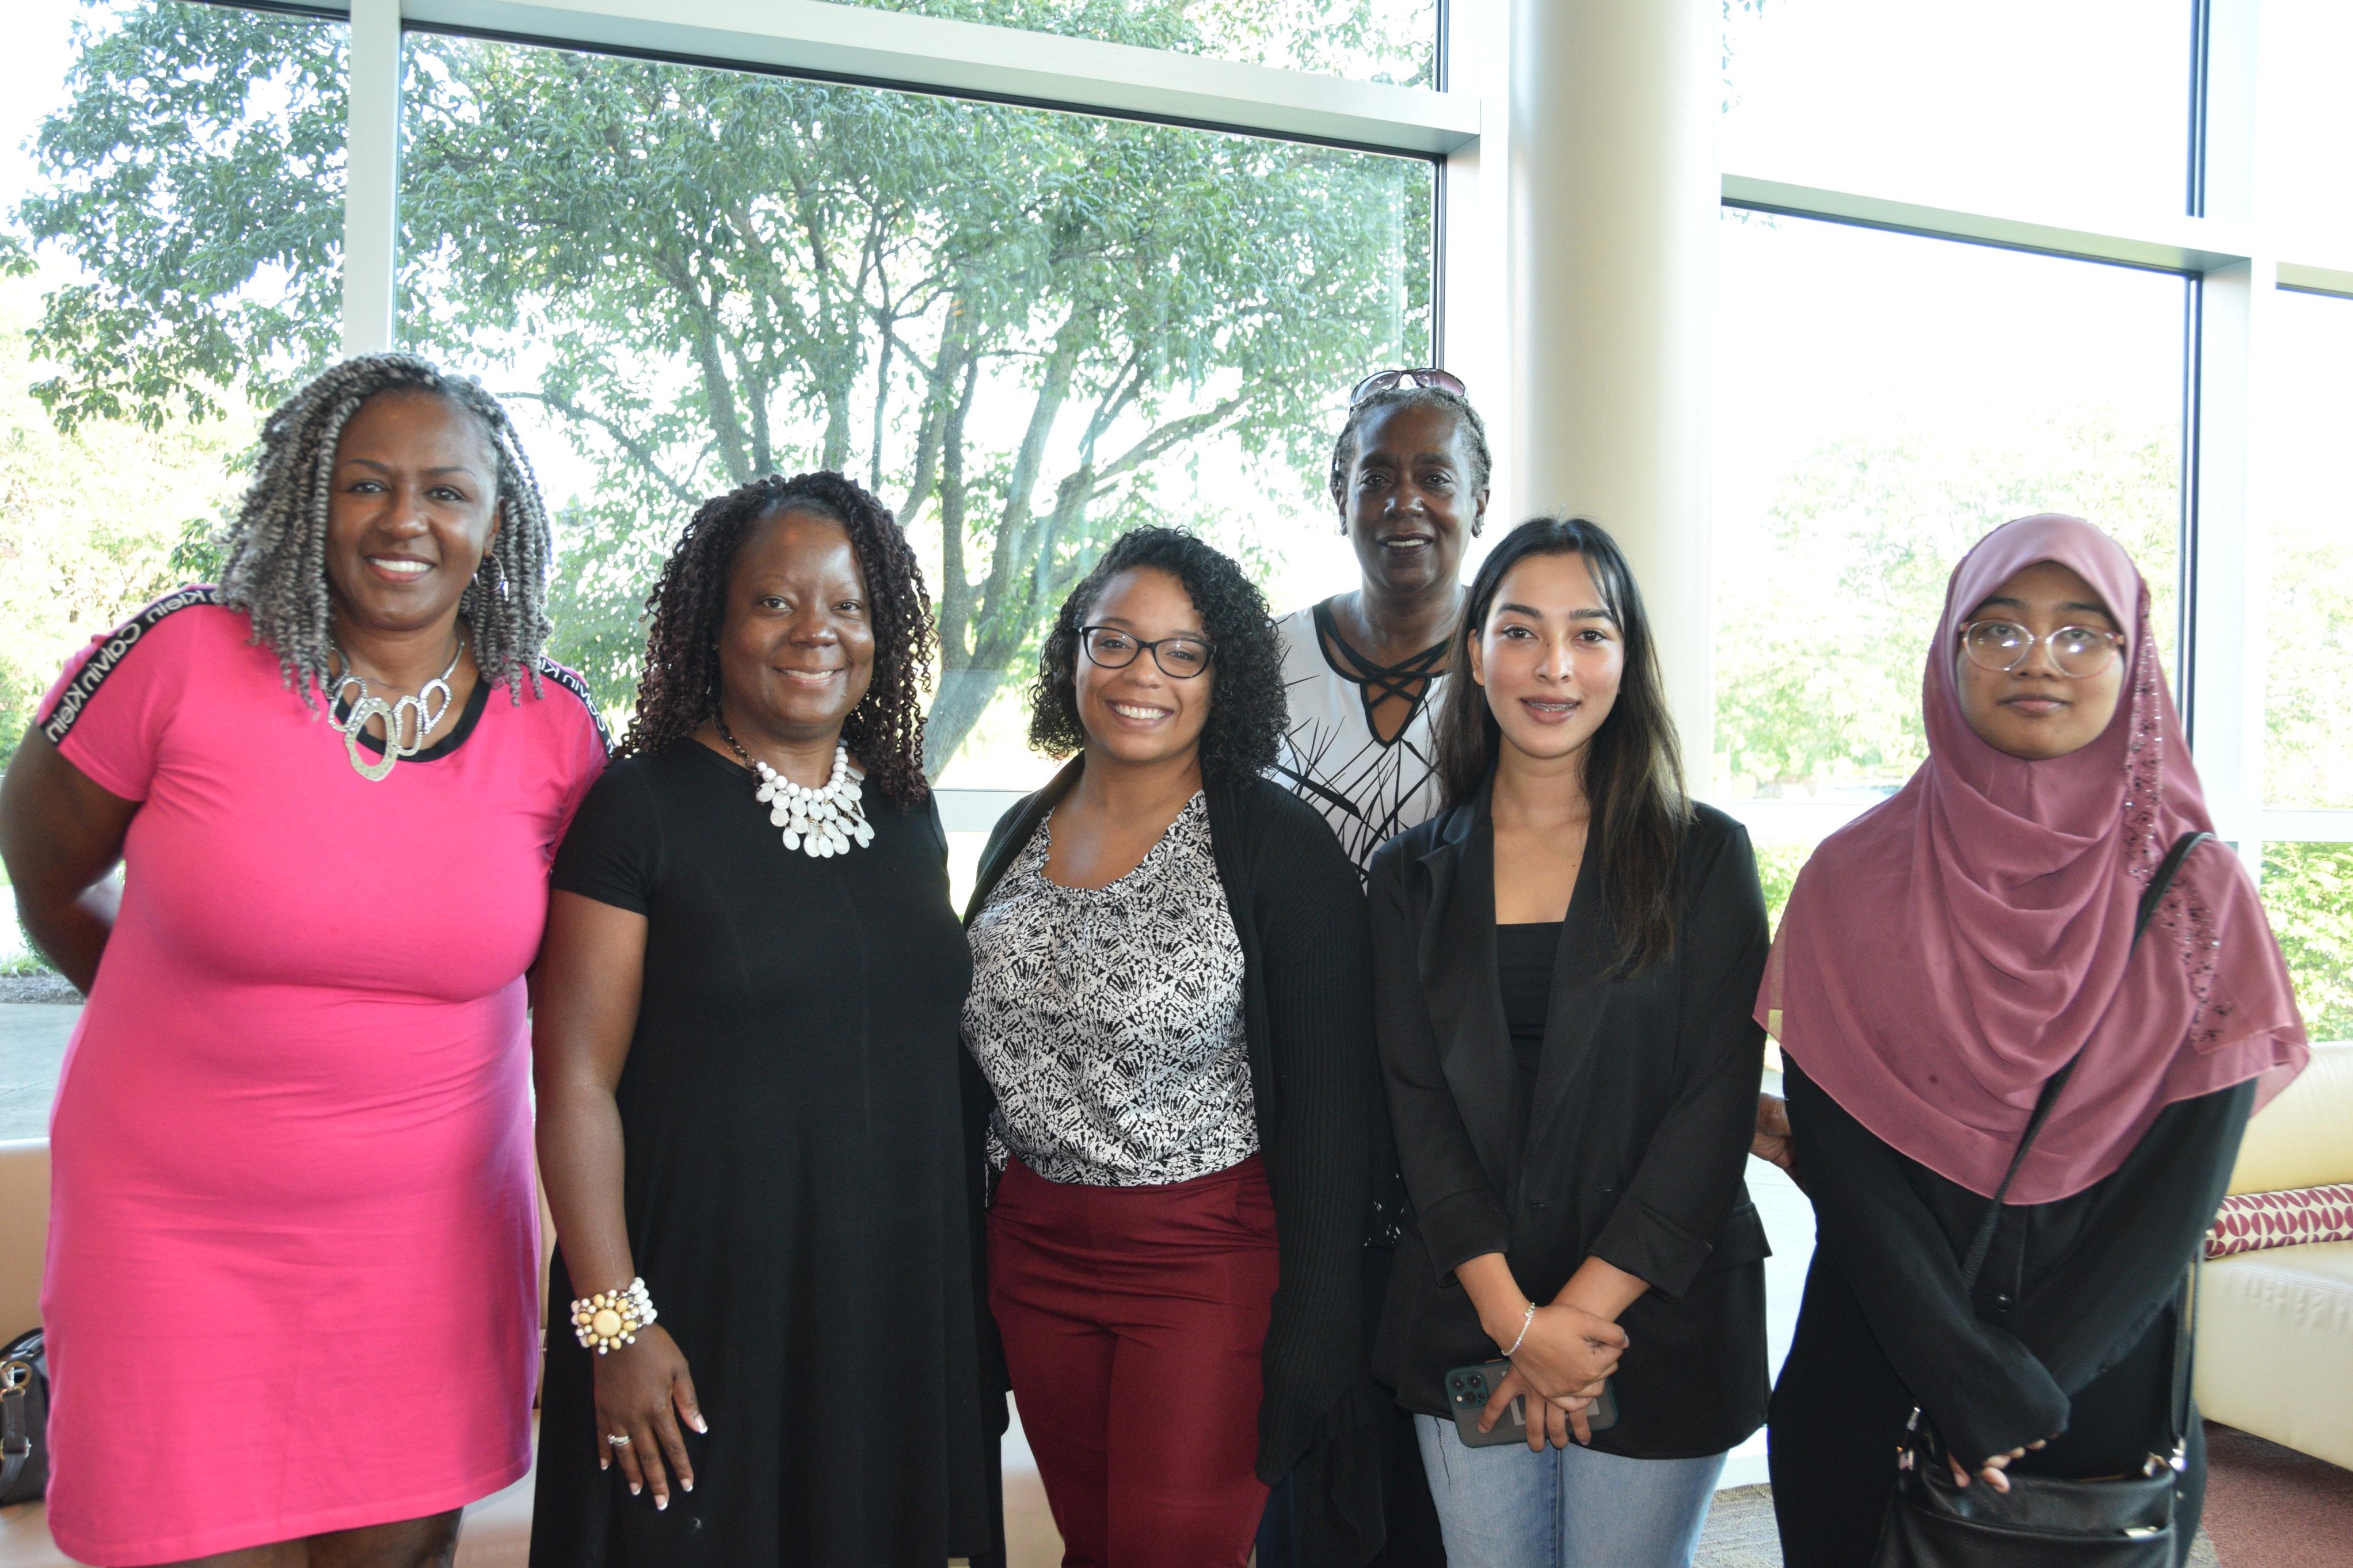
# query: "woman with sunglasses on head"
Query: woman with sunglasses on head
1170,1016
1363,672
1564,961
1945,956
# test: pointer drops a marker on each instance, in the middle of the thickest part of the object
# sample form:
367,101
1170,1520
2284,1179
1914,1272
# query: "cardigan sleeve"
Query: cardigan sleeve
1982,1387
1454,1206
2146,1225
1314,950
1683,1192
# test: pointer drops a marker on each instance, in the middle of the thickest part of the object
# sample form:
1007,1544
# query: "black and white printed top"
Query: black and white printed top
1368,789
1108,1020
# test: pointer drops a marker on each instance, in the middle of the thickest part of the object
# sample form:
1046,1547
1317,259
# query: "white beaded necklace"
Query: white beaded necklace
828,820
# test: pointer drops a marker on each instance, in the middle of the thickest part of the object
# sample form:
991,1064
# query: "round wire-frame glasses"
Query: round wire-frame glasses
2076,652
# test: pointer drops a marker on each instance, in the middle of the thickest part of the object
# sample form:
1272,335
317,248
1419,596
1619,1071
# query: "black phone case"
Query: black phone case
1467,1391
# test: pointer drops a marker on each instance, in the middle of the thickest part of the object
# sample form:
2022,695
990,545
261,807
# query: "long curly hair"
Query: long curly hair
274,554
1247,713
679,691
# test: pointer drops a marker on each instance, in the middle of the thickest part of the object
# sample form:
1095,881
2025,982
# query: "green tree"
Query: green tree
1820,624
1009,323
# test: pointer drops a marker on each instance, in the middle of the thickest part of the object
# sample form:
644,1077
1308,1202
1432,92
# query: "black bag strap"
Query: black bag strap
2149,898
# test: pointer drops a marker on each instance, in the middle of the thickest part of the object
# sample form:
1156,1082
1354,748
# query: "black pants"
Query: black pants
1840,1410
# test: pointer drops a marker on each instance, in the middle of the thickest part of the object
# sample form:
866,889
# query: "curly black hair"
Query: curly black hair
680,690
1247,713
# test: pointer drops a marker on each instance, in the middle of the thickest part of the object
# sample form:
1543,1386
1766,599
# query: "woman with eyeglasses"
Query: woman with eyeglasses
1943,958
1171,1022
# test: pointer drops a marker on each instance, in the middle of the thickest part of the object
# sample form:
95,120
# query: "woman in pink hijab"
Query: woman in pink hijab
1941,958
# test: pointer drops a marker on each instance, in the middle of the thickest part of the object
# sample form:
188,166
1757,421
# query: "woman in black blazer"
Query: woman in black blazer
1171,1031
1565,962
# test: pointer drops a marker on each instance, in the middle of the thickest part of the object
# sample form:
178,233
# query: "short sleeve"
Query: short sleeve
110,710
612,850
587,746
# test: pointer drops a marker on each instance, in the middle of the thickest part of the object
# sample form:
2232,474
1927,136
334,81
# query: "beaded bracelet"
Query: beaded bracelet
612,1318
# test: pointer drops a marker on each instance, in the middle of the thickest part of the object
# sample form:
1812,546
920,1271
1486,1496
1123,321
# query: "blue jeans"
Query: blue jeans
1565,1507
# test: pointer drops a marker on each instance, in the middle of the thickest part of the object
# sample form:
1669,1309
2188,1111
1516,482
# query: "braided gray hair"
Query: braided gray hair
274,554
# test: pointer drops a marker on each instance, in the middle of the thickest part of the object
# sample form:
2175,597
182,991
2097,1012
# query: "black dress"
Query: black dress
2070,1328
795,1189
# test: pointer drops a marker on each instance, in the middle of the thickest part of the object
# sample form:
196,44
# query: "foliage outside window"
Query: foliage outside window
1028,331
1370,40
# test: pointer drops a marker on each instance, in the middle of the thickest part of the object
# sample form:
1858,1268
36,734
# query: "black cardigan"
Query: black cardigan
1632,1152
2068,1288
1299,909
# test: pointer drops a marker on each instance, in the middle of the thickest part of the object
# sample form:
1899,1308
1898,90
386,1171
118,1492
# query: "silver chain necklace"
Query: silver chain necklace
828,820
422,710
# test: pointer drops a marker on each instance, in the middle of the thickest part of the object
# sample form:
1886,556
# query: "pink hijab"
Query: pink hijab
1949,949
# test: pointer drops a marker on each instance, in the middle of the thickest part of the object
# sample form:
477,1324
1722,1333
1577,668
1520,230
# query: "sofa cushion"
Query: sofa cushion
2252,1222
2275,1346
2301,1139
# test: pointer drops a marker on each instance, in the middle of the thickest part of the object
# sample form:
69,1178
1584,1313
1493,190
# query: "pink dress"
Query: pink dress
293,1240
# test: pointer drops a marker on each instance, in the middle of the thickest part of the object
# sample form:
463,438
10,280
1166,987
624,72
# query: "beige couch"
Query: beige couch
2275,1326
497,1534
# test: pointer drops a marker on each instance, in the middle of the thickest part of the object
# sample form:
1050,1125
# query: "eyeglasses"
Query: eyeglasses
1428,375
2076,652
1179,658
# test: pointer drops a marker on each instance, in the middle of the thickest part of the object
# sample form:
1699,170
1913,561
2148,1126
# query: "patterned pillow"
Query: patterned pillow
2251,1222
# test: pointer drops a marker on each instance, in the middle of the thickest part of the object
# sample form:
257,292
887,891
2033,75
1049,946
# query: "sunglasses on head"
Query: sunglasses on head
1381,381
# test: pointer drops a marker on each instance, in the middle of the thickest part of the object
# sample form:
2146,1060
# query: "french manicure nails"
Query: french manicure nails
635,1489
661,1501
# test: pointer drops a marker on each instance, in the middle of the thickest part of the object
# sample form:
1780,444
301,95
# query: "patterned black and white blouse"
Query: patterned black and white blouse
1108,1020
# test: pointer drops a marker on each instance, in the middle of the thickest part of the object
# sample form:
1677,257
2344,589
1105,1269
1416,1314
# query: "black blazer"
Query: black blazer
1299,909
1632,1151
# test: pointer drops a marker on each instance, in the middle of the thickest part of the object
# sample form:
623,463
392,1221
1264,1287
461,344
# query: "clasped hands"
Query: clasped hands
1562,1359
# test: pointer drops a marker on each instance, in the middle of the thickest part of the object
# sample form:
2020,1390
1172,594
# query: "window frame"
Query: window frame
2236,266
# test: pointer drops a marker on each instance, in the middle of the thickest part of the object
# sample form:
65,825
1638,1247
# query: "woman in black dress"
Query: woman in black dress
1943,957
747,1066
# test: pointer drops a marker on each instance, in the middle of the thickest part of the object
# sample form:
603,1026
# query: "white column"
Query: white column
371,177
1615,191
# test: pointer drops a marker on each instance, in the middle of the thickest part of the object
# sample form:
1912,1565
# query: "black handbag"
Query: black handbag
24,1419
2044,1521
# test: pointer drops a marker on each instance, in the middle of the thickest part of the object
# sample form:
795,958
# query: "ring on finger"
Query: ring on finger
619,1439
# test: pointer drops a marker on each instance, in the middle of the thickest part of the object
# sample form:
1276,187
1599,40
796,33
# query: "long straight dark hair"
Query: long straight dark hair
1633,768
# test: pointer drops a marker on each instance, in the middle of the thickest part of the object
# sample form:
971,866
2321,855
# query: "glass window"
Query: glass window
2307,640
2308,893
2003,104
2303,171
1027,330
1882,402
1365,40
2307,514
172,262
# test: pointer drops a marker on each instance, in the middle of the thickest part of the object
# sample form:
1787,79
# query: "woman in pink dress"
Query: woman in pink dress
290,1296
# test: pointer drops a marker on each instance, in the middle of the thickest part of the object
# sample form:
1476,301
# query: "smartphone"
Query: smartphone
1468,1389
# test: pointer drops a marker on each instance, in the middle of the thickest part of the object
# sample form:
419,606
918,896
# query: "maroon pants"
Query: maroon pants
1132,1321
